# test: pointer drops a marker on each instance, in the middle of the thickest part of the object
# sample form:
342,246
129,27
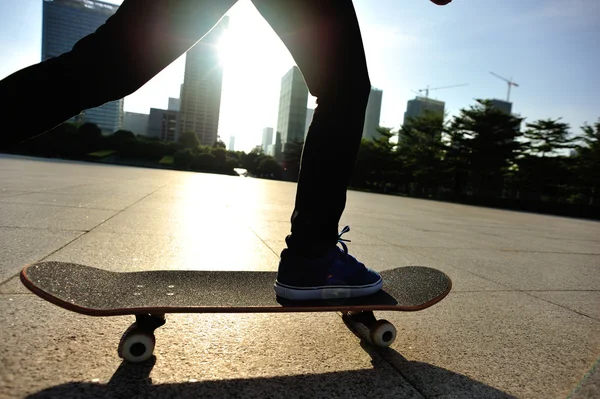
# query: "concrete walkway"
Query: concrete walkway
523,319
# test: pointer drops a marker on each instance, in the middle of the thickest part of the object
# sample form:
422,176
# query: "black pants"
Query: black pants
145,36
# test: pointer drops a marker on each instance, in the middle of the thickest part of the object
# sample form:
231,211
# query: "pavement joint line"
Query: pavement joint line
562,290
263,241
381,353
8,280
16,293
550,252
526,292
85,233
463,270
43,228
44,257
55,205
562,306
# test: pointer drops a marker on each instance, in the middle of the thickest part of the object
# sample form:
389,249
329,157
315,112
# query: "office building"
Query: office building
309,115
174,104
201,89
291,119
135,122
64,23
231,143
162,124
502,105
419,105
372,114
267,138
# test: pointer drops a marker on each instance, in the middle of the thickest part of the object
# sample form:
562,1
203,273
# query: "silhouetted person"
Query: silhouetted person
143,37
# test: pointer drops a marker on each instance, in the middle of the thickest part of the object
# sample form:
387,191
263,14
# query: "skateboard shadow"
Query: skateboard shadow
414,378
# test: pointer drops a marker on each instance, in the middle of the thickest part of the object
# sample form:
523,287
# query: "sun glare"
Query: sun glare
254,60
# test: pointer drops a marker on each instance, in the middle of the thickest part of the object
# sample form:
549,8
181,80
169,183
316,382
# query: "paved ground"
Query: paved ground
522,320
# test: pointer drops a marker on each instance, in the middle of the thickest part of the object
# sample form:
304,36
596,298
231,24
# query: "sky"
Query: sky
547,47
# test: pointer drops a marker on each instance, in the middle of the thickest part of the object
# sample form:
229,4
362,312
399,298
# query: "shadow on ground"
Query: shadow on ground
133,381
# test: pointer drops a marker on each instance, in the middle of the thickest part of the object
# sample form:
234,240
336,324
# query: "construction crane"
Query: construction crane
426,90
510,83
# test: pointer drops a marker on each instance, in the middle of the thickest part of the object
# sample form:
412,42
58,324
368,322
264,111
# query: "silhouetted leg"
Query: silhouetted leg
135,44
324,39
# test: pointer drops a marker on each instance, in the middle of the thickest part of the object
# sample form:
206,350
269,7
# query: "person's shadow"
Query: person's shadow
413,379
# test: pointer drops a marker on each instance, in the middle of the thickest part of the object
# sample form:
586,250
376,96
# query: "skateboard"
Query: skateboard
150,295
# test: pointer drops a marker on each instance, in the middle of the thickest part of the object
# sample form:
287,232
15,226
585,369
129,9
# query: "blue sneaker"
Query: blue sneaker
335,275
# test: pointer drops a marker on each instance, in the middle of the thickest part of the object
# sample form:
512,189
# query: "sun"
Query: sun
225,48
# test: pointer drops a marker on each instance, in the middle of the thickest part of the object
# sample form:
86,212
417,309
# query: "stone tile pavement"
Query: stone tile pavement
523,319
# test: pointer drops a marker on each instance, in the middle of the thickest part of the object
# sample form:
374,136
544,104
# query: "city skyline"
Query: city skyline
64,23
545,47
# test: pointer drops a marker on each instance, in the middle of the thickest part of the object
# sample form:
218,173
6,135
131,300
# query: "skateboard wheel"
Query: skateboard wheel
136,346
382,333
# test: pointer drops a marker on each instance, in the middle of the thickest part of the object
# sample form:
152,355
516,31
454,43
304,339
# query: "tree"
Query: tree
257,150
589,159
124,135
421,150
548,135
269,167
91,137
90,131
122,140
183,159
483,147
378,166
189,139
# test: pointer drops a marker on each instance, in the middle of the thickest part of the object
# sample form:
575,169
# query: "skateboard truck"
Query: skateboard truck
137,342
380,333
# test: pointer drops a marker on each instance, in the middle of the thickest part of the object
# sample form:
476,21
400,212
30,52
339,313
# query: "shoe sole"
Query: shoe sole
326,292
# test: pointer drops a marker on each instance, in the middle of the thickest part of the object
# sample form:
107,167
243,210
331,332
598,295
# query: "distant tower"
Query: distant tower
418,106
64,23
162,124
201,89
174,104
267,138
231,143
291,119
502,105
372,114
309,115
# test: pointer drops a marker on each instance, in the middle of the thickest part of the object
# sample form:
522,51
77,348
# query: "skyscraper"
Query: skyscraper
201,89
174,104
418,106
64,22
267,138
231,143
372,114
291,118
162,124
309,116
502,105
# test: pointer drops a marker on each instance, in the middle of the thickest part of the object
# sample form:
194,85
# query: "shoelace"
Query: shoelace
349,257
342,240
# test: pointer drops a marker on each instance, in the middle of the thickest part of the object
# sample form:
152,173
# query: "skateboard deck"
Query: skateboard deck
149,295
98,292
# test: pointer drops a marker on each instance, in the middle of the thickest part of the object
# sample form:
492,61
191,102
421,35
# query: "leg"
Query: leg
324,39
135,44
